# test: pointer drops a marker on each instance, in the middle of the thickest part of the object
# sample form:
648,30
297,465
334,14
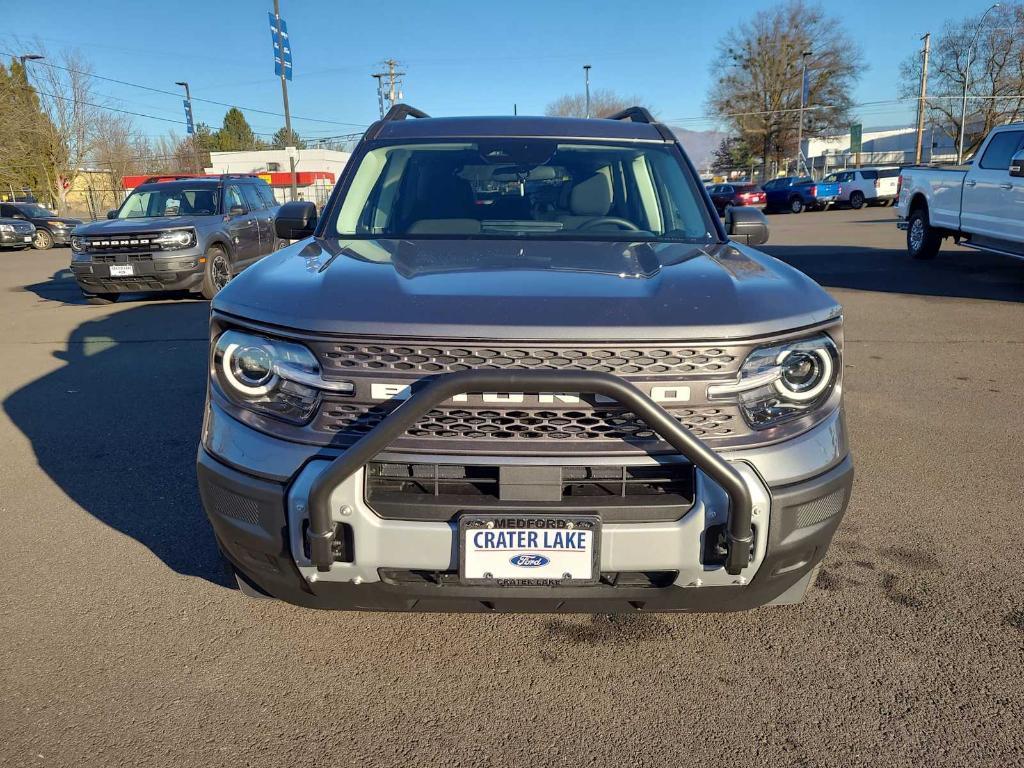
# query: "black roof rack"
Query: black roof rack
633,114
641,115
402,111
197,176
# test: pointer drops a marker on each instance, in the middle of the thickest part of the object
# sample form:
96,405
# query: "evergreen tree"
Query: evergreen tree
235,133
285,138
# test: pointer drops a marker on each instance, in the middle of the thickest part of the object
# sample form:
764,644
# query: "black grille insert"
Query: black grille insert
619,493
623,579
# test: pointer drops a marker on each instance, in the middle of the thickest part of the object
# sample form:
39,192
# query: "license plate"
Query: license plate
121,270
524,550
28,238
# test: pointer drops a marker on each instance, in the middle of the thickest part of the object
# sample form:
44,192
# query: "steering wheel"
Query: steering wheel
621,223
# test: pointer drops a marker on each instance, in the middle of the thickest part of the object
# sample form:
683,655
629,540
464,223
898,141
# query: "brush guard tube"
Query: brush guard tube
739,535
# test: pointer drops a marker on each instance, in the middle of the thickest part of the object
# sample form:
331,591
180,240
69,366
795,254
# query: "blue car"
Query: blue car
797,193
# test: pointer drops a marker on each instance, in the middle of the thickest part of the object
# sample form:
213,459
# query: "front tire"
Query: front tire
857,200
217,273
796,205
43,240
923,241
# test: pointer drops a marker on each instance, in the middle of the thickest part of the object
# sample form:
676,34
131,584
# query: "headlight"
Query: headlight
269,376
79,243
6,228
784,381
176,238
57,224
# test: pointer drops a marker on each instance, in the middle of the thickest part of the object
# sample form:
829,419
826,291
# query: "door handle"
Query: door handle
971,183
1006,185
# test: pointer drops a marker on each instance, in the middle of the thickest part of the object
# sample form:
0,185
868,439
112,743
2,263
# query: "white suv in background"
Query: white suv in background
874,186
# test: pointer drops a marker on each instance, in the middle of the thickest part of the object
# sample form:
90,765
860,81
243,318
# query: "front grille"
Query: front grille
142,241
620,493
24,229
113,258
499,425
633,360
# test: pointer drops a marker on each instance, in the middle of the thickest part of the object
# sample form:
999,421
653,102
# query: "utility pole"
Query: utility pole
284,95
393,92
586,86
921,99
800,127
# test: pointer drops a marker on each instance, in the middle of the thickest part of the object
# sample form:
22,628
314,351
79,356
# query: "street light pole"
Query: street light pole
800,128
192,138
284,95
586,81
967,77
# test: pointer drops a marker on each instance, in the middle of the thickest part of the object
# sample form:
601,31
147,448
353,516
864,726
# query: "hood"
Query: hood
129,226
514,289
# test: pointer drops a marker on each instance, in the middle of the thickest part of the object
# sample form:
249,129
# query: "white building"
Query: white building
882,146
316,170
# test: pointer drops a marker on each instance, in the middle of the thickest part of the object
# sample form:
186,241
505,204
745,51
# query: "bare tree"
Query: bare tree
996,81
64,84
758,78
602,103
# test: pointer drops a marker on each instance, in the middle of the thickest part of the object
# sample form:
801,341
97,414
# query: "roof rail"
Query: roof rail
635,114
402,111
170,177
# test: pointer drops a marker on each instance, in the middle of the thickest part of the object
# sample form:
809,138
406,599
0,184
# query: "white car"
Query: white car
871,186
978,204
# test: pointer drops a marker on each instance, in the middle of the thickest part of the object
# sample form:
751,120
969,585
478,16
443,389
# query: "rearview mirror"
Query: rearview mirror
295,220
1017,165
111,214
746,225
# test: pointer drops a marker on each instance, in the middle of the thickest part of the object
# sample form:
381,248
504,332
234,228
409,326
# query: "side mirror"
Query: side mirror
1017,165
746,225
111,214
236,210
295,220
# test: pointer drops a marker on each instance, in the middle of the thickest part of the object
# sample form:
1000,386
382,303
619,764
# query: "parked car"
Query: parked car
51,229
180,234
866,186
979,205
16,234
589,394
726,196
797,193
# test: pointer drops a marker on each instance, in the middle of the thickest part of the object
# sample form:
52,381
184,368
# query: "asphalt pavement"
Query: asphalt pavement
122,643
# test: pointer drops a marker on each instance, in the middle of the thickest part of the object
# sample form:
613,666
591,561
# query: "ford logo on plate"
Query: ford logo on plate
529,561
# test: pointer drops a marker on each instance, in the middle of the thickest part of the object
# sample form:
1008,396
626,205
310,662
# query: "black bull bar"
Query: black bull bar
437,390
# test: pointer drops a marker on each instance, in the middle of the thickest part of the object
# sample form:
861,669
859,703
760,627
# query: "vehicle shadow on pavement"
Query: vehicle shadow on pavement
61,287
116,428
953,273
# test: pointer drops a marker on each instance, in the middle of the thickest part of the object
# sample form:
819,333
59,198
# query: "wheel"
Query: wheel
856,200
923,241
101,298
217,272
796,205
43,240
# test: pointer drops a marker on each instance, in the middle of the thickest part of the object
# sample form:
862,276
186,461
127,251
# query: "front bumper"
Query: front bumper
179,272
61,236
797,495
16,239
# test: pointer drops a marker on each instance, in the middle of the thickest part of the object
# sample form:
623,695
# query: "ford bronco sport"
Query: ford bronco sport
182,233
519,364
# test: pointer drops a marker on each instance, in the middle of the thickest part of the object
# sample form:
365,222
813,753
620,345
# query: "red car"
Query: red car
728,195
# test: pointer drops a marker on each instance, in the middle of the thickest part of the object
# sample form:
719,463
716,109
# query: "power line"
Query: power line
178,95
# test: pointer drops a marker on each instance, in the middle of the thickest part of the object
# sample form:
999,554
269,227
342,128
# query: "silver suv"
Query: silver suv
520,364
176,234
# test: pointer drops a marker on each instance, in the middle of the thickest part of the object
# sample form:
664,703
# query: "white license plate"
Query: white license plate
529,550
28,238
121,270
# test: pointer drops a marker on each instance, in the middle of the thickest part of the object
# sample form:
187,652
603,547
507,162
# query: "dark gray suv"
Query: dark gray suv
178,234
520,364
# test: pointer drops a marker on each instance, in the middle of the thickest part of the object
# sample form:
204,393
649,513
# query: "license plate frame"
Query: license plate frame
472,521
27,239
122,270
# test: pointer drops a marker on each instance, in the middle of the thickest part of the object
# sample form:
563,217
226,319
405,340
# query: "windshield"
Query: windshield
524,188
175,201
35,211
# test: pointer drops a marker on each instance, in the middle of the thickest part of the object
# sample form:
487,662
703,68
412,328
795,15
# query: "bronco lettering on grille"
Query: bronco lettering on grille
664,393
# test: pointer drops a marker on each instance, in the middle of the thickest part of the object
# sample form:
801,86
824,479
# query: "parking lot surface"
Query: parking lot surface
123,643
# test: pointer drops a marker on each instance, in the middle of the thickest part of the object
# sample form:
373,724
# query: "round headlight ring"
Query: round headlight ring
811,369
249,369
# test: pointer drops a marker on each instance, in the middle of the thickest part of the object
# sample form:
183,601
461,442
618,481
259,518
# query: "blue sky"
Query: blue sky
461,57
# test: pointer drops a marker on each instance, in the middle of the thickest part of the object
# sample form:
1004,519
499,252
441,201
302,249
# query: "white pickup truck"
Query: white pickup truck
980,204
